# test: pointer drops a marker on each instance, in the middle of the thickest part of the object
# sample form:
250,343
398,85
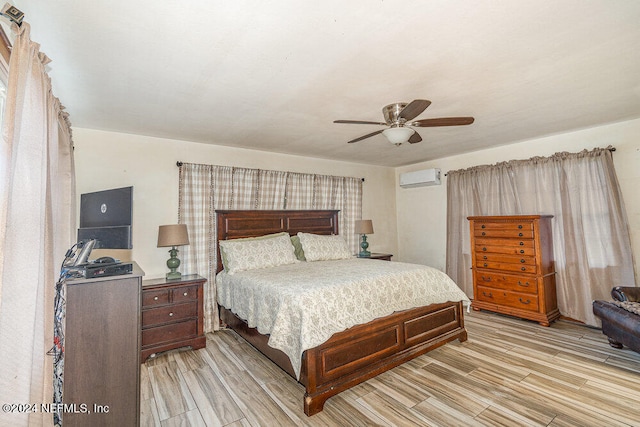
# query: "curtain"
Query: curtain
37,224
205,188
591,239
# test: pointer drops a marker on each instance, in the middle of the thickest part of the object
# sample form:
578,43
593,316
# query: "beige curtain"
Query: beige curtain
591,240
37,223
205,188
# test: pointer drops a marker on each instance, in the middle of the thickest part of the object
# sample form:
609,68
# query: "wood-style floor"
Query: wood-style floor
509,373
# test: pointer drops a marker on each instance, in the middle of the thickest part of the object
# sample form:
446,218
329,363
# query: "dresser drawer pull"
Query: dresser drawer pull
521,243
483,233
488,296
524,285
523,261
486,279
484,257
155,298
523,268
485,264
525,302
520,226
185,294
520,234
484,249
171,314
482,226
521,251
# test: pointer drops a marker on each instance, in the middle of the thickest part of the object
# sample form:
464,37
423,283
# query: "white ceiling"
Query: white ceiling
273,75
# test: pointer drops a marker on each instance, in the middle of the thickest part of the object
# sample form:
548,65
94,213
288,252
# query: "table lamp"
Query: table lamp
364,227
173,235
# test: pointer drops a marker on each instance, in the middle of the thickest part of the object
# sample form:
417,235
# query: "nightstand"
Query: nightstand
172,314
384,257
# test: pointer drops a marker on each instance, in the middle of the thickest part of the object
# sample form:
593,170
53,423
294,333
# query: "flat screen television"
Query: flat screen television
107,217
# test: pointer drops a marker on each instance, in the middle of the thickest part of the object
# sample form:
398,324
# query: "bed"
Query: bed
351,356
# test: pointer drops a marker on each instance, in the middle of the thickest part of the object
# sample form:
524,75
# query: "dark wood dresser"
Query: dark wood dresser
172,314
513,267
102,348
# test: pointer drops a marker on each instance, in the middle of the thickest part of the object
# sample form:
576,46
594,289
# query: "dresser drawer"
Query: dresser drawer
155,297
168,333
482,257
508,267
185,293
508,282
522,230
171,313
505,246
505,298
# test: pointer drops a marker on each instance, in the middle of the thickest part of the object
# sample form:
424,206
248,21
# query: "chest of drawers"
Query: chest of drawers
513,268
172,314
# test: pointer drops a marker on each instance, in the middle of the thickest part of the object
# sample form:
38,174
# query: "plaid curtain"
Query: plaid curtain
205,188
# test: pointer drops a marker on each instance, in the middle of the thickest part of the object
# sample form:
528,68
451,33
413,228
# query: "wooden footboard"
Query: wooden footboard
364,351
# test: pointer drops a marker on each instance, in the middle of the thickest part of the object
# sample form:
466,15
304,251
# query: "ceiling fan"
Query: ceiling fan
399,118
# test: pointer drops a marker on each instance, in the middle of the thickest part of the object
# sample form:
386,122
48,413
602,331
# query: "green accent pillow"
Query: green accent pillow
266,236
295,240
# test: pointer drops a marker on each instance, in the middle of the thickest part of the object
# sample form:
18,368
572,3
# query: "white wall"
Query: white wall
422,211
109,160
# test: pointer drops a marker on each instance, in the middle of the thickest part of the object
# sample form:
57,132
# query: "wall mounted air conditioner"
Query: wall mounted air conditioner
421,178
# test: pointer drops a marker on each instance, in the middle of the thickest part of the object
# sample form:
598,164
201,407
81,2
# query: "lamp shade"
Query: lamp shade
364,226
173,235
398,135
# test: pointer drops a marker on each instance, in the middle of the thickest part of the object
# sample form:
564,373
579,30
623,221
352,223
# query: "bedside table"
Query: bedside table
384,257
172,314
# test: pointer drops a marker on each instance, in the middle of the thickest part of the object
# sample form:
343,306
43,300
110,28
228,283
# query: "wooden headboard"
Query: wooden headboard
252,223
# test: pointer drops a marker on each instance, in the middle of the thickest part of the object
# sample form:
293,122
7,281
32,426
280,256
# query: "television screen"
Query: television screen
107,208
107,216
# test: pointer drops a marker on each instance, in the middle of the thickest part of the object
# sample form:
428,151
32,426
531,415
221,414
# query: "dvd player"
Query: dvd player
106,269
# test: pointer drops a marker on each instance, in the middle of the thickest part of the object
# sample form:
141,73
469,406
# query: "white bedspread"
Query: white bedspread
302,305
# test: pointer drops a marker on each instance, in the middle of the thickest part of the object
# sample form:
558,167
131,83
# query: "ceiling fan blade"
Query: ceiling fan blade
414,109
443,121
415,138
366,136
359,122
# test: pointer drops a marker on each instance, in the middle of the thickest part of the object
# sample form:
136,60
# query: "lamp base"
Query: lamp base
174,275
364,253
173,263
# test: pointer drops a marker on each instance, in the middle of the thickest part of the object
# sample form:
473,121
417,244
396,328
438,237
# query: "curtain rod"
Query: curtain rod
610,148
179,163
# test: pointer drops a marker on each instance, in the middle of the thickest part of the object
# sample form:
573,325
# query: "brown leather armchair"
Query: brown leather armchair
621,326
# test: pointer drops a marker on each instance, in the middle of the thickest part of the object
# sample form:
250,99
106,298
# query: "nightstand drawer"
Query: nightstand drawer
186,293
172,313
151,298
168,333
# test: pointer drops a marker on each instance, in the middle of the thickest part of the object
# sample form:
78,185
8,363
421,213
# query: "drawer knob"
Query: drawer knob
485,264
523,268
486,279
520,226
484,257
525,284
525,302
521,251
487,295
482,226
155,298
520,234
523,261
483,233
170,314
521,243
185,294
484,249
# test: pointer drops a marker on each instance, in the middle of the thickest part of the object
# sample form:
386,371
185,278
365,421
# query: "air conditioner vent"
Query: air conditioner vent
420,178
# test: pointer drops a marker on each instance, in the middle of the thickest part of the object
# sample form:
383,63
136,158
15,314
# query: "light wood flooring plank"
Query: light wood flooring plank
509,372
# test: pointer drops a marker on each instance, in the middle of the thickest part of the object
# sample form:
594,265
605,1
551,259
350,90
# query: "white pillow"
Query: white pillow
244,255
323,248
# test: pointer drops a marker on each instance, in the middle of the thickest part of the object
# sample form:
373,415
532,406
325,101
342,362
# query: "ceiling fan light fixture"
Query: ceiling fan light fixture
398,135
